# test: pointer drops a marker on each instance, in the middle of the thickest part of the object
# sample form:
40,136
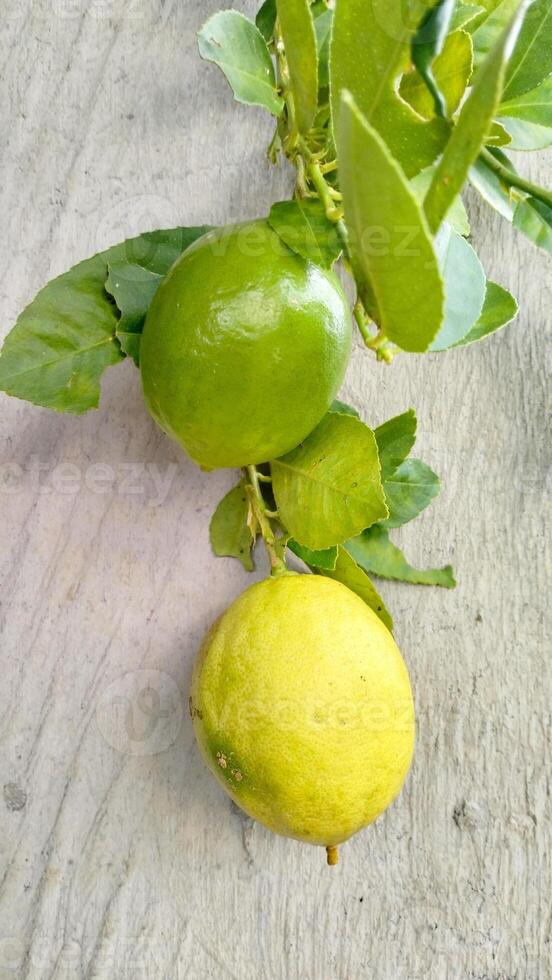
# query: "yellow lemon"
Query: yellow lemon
302,707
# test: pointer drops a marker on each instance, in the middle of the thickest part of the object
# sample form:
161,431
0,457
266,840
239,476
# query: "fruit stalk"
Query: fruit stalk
260,517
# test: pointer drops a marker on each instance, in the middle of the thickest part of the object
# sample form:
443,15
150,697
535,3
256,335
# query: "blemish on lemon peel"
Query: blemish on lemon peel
194,712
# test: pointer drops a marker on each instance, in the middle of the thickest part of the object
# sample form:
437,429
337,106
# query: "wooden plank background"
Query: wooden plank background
120,856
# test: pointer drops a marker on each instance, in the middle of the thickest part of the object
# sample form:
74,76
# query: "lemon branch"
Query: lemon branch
377,342
290,139
514,180
261,517
327,194
309,153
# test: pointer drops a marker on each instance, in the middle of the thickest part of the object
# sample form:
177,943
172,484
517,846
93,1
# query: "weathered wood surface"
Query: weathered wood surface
120,857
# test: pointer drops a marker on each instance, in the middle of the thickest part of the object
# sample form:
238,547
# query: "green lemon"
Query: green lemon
244,347
302,707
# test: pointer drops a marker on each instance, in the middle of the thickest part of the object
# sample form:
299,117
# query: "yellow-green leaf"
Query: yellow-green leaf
531,61
489,28
395,439
409,490
349,573
375,552
474,122
298,35
428,42
465,14
63,341
498,135
305,228
330,484
526,136
237,46
370,50
73,329
534,219
391,249
230,530
499,309
135,273
266,19
534,106
452,71
325,559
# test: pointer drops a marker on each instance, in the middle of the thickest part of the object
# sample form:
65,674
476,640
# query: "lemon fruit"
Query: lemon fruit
302,707
244,347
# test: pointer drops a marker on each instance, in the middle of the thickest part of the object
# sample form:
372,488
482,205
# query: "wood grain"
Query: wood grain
120,857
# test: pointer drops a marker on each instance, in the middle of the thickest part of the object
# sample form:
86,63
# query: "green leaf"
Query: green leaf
465,287
494,191
451,70
488,12
133,289
304,228
63,341
534,106
325,559
428,42
531,61
237,46
323,20
329,487
375,552
266,19
498,135
409,485
488,32
457,216
341,408
72,331
395,439
230,531
391,249
499,309
134,277
472,126
534,219
464,14
526,136
355,578
370,49
297,29
408,491
528,118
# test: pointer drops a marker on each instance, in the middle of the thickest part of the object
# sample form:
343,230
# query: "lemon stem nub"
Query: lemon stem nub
332,854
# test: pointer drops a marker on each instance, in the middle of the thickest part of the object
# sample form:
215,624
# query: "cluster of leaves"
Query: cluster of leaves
333,501
387,109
